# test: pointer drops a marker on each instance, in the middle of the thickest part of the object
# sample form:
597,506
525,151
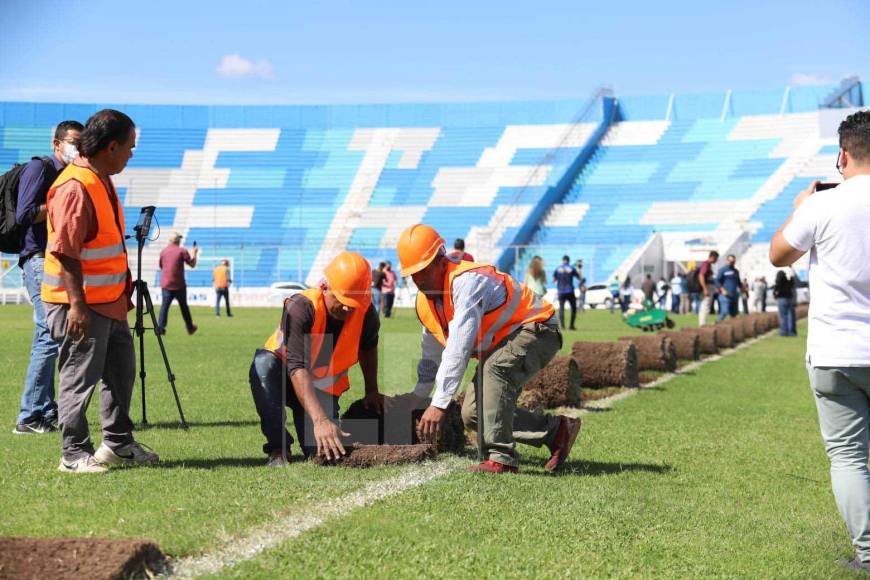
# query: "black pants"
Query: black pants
572,301
168,297
272,394
389,298
225,294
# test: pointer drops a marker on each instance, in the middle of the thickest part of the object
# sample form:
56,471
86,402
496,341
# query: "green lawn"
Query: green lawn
720,472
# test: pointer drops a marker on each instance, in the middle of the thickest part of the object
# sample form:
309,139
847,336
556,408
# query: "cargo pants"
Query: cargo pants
505,370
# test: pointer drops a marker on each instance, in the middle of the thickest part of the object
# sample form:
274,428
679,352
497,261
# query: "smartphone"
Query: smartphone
824,186
194,241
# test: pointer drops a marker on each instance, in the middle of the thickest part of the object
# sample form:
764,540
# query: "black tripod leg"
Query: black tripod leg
478,403
170,375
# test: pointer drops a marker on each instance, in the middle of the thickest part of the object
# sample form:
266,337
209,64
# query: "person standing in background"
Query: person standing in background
626,294
38,409
388,289
581,287
172,282
759,294
222,281
459,251
744,295
536,277
662,287
563,276
784,292
685,296
706,282
676,292
730,285
614,293
377,281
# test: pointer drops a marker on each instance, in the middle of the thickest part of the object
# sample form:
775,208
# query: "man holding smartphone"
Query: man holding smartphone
832,226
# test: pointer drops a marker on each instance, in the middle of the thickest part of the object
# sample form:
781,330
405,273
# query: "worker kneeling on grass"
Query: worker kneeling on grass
304,365
472,310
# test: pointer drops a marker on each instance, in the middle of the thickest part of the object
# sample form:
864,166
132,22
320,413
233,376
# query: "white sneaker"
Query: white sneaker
132,453
85,464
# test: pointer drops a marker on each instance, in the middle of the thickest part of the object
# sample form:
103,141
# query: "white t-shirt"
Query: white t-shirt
834,225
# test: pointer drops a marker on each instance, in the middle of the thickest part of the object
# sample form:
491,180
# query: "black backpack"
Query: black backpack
692,283
11,232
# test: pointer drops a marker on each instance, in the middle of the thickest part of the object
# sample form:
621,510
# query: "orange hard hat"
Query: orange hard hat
349,277
418,246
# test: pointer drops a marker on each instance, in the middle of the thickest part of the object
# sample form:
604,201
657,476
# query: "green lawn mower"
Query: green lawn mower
649,319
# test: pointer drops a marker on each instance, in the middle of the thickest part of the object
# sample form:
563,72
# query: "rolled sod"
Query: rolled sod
398,424
96,558
724,336
376,455
655,352
606,364
737,326
688,344
556,385
750,326
708,338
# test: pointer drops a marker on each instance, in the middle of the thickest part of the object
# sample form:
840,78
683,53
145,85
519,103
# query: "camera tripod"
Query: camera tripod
143,305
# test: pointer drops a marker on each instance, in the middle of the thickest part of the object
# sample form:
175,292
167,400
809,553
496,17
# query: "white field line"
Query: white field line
607,402
262,538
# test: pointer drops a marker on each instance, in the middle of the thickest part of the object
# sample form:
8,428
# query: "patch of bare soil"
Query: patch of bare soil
606,364
398,424
39,558
377,455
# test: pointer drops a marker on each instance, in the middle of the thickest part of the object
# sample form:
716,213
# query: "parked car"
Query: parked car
598,295
281,290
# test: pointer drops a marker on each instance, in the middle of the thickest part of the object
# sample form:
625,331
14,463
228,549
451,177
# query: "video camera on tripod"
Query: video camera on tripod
143,305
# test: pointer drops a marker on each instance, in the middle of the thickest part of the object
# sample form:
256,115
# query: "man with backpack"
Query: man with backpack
28,185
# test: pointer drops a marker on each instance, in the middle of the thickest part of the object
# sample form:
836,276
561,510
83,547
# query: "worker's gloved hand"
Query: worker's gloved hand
374,401
328,437
429,427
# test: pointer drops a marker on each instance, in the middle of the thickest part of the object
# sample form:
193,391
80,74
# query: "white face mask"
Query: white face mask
69,153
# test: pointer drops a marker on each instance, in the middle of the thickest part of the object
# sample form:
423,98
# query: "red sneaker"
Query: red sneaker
562,443
490,466
193,328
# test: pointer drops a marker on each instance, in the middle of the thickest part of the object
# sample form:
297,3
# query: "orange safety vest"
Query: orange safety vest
220,277
520,307
103,259
332,378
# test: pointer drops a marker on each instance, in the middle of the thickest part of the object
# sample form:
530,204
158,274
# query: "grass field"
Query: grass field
719,472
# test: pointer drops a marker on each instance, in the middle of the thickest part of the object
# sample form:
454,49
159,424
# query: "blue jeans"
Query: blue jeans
675,303
728,306
376,299
787,320
272,392
168,297
37,400
225,294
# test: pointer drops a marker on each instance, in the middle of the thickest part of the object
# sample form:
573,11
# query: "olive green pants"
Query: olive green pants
505,371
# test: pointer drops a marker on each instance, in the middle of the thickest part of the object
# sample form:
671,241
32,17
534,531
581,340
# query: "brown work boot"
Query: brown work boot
562,443
490,466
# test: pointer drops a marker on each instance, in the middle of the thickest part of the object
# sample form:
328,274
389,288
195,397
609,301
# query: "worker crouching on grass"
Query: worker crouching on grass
470,309
304,365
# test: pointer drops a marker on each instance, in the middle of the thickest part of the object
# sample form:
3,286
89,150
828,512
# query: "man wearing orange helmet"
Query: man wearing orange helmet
472,310
304,364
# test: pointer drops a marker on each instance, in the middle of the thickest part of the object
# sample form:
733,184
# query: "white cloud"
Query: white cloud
803,79
236,66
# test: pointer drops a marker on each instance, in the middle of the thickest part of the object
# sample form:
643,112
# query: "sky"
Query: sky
370,51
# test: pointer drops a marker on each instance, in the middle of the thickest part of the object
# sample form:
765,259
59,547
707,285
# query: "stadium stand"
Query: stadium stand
281,189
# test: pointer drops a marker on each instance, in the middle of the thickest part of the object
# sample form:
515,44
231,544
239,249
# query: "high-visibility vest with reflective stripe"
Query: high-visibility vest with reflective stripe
520,307
220,277
104,258
331,378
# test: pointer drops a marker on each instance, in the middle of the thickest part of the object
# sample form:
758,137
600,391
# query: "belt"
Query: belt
39,254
